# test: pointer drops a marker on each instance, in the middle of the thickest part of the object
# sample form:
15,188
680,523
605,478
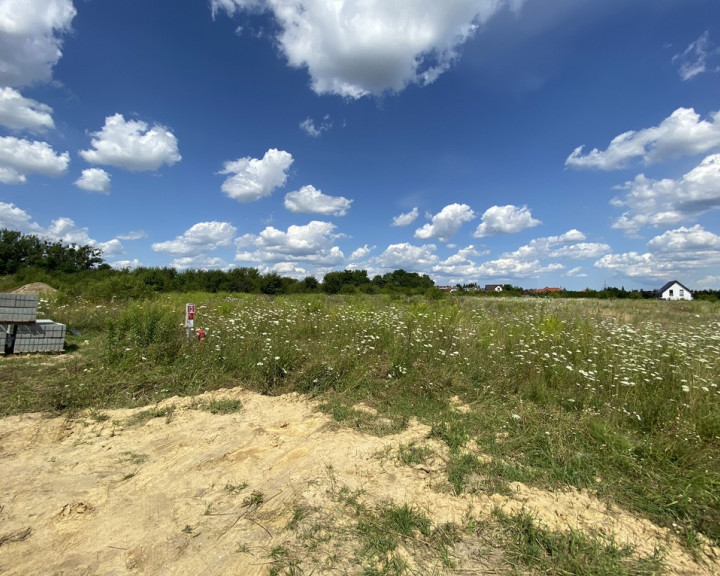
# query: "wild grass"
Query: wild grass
618,397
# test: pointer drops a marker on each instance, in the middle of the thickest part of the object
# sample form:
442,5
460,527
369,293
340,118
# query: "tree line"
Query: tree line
81,270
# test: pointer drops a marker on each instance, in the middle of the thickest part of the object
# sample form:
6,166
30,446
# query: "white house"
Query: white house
674,291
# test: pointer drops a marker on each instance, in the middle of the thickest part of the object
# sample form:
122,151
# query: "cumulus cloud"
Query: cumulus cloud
94,180
30,39
61,229
505,220
309,200
568,245
19,157
699,57
199,239
14,218
199,262
312,244
132,144
362,252
315,130
446,223
406,218
682,133
253,178
460,265
408,257
686,244
669,254
20,113
354,48
668,202
514,268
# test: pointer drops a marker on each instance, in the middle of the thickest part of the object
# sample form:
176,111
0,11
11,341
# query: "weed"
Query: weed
188,529
298,516
235,488
255,500
226,406
570,552
99,416
411,453
144,416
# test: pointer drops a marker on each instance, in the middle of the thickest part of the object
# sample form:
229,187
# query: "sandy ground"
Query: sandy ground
198,493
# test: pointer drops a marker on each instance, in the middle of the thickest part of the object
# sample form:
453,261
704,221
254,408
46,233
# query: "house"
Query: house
547,290
673,290
493,288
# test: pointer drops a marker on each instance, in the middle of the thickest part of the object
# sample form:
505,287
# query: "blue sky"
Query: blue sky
571,143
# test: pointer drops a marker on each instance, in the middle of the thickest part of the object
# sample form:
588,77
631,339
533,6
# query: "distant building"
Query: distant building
547,290
493,288
673,290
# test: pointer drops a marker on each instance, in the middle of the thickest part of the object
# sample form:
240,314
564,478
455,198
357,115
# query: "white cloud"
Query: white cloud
514,268
576,273
199,239
61,229
406,218
446,223
19,157
110,248
581,250
133,235
636,265
94,180
253,178
568,245
67,231
683,250
505,220
354,48
125,264
407,257
20,113
14,218
132,144
30,43
362,252
315,130
709,282
311,244
682,133
460,265
667,202
694,59
309,200
199,262
286,269
686,244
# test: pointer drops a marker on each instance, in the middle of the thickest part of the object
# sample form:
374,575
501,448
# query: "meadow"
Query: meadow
621,398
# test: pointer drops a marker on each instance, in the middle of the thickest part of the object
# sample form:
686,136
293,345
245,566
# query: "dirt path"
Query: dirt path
200,493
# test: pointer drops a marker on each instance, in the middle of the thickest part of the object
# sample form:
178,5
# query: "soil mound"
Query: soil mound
34,288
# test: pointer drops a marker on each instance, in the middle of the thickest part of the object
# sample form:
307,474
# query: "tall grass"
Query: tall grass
620,397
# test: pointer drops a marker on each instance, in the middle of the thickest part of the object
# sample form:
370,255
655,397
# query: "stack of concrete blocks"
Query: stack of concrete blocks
21,331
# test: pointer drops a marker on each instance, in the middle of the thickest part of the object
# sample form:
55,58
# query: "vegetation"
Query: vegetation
620,397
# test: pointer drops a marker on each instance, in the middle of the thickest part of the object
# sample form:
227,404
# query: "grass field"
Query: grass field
621,398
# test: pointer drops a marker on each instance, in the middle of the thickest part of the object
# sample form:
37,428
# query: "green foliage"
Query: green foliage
571,552
18,251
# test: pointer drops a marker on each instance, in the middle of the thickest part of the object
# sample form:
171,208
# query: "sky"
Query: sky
568,143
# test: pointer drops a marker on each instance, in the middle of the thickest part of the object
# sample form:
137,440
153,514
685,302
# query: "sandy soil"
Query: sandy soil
200,493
